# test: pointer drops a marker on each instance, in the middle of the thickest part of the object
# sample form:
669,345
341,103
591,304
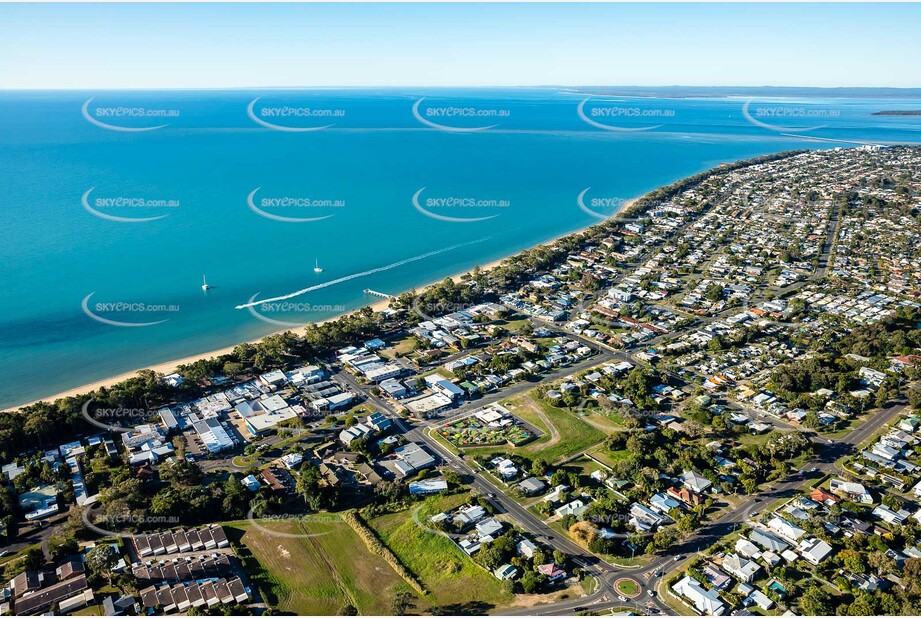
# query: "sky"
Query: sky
98,46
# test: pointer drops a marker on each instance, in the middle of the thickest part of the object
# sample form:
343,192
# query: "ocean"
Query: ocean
116,204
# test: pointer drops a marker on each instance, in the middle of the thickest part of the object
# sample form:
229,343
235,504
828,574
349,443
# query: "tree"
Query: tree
236,497
559,558
531,582
539,467
102,559
402,602
33,559
308,485
182,473
911,572
60,546
815,601
882,563
852,561
232,368
863,605
914,397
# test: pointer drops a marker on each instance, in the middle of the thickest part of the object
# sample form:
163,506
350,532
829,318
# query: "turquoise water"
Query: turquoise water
522,176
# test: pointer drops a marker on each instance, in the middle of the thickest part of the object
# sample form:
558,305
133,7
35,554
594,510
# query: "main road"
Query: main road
828,452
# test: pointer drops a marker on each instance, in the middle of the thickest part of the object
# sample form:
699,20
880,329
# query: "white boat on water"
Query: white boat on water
204,284
316,267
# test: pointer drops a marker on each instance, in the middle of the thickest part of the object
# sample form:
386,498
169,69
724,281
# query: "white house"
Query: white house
741,568
705,601
785,529
814,550
853,491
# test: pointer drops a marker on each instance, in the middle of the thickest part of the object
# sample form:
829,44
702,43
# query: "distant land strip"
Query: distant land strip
898,112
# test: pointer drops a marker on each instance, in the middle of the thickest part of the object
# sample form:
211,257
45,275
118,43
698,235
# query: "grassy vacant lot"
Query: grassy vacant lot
574,435
454,581
316,575
607,456
583,466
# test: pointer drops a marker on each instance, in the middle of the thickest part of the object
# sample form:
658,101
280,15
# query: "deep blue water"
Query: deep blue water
365,169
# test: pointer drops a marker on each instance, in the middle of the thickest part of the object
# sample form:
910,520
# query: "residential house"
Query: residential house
705,601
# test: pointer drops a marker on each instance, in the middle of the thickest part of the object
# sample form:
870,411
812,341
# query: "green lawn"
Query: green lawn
607,456
583,466
452,578
316,575
575,435
627,587
515,325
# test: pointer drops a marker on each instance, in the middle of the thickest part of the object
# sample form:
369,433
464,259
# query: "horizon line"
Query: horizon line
433,87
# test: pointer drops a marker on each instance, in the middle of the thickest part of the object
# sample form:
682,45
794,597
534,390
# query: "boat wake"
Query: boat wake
365,273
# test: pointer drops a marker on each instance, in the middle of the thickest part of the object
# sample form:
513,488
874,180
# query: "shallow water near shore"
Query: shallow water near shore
108,227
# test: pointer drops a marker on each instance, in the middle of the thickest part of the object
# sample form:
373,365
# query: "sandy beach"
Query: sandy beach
170,366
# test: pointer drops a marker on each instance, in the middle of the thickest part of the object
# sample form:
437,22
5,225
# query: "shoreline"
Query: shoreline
167,367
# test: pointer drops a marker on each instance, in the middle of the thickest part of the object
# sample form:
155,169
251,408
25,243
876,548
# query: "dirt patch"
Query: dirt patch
534,600
554,432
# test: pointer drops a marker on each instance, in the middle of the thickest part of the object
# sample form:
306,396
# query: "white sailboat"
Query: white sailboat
204,284
316,267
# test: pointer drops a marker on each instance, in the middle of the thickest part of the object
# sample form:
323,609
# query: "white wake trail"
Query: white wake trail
327,284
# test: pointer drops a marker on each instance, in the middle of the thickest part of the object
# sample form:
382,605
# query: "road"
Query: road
828,452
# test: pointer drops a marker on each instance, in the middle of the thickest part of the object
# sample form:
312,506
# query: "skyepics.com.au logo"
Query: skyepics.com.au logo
114,418
297,117
130,208
459,208
306,313
126,309
629,116
294,526
432,309
126,525
127,118
599,206
788,117
271,207
464,118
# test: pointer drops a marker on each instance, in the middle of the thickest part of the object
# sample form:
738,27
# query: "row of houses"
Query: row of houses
35,592
180,541
184,596
183,569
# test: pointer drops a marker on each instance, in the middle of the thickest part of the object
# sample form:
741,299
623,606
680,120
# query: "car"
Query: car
622,598
754,514
651,593
581,608
757,500
677,558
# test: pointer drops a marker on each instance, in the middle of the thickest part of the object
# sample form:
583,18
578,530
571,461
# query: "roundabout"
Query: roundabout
627,586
